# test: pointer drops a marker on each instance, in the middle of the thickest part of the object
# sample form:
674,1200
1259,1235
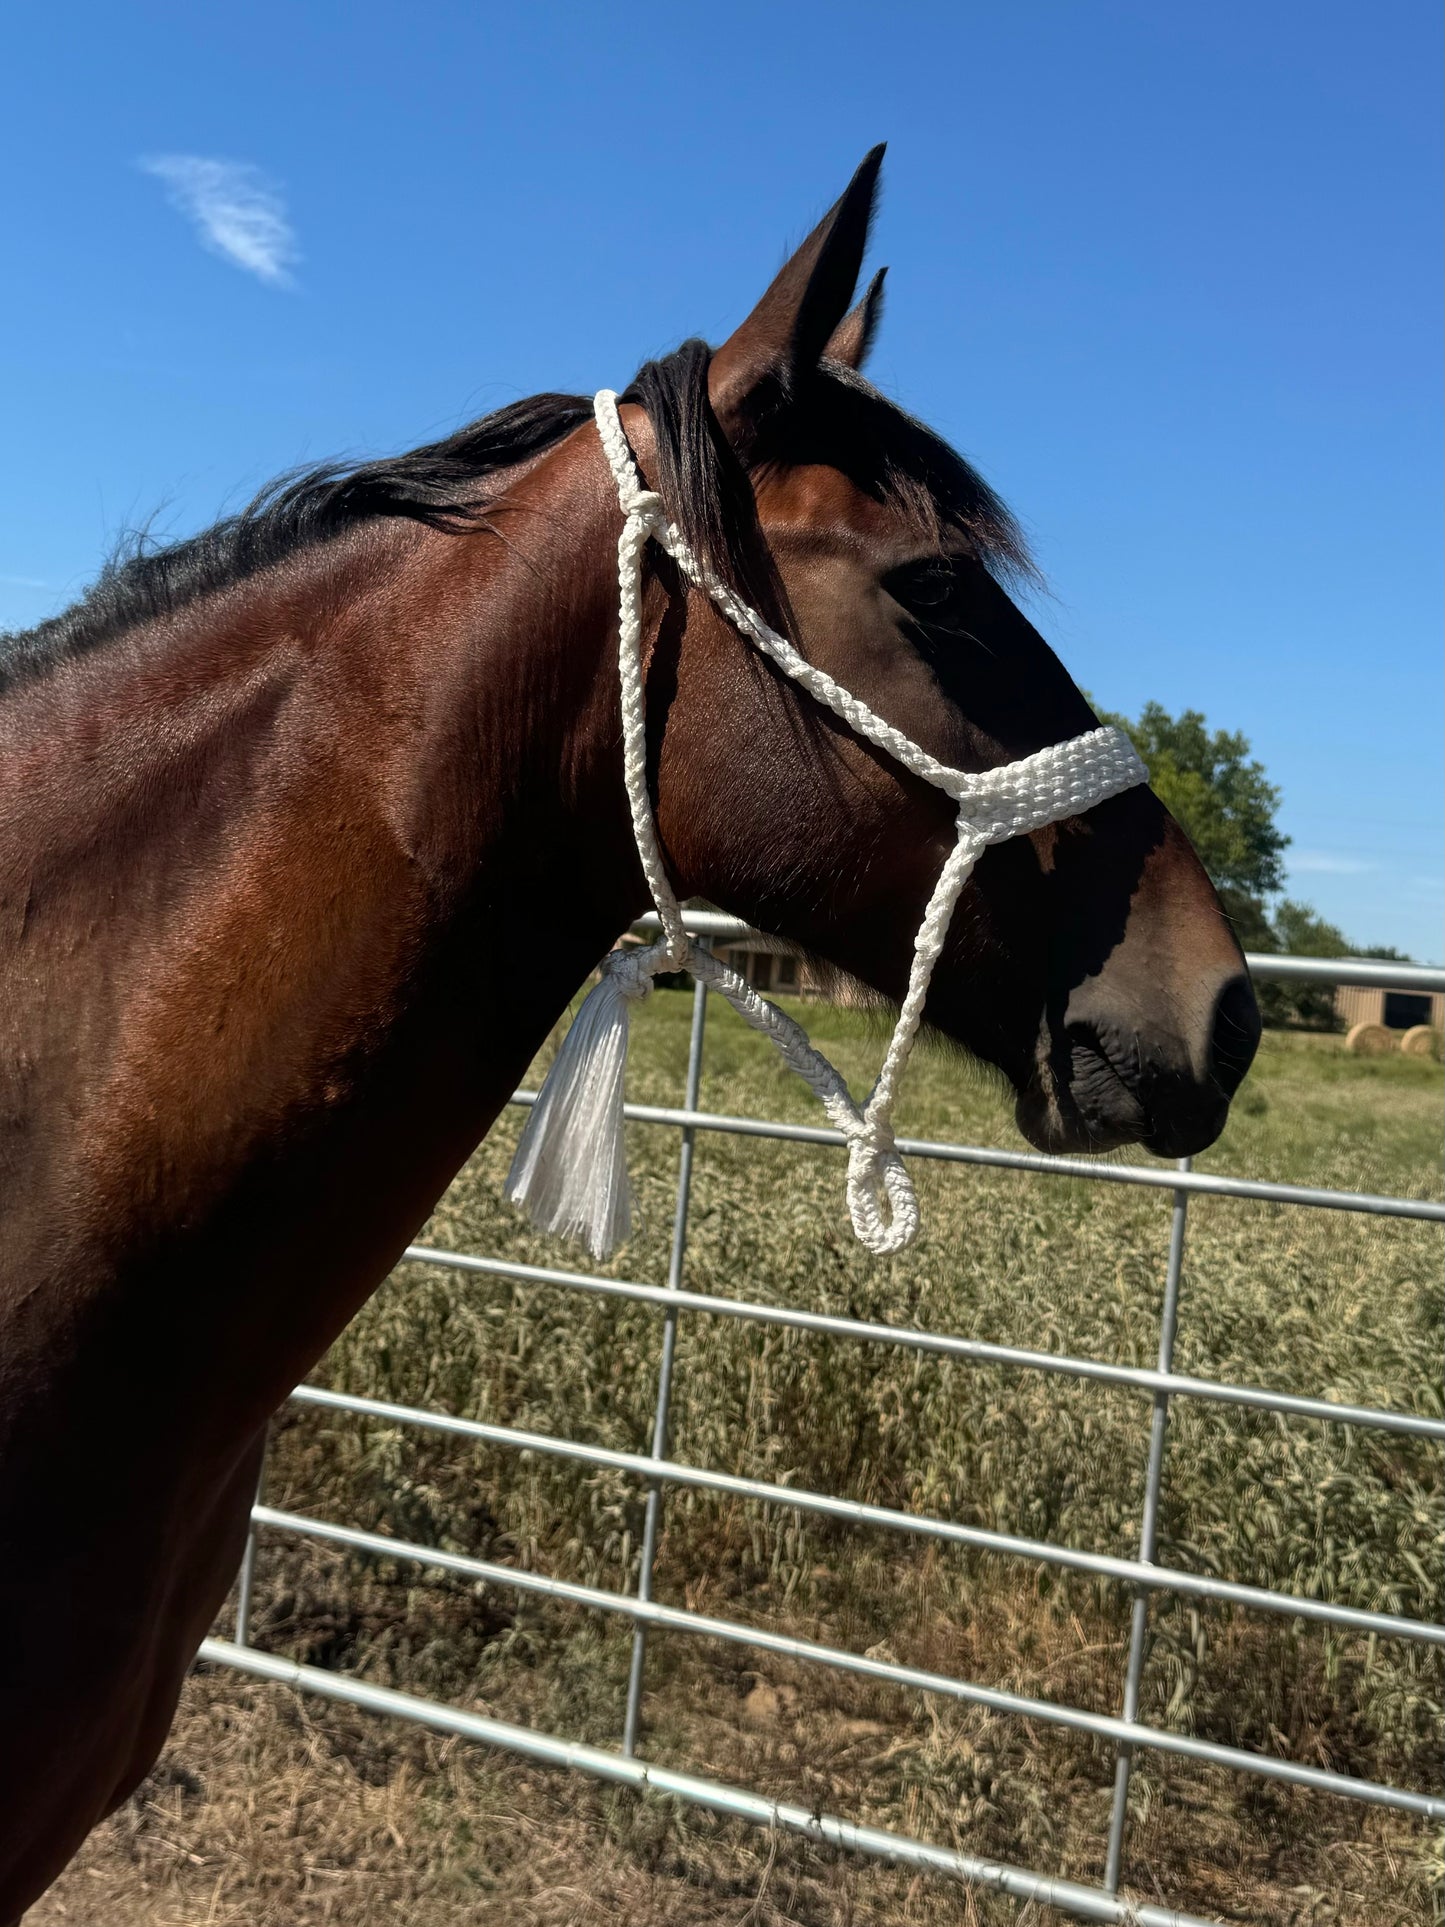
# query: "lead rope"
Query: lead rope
569,1172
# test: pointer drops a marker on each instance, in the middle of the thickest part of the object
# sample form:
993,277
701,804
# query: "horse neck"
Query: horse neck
311,874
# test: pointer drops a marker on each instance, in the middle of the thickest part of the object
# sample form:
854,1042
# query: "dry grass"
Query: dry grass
267,1810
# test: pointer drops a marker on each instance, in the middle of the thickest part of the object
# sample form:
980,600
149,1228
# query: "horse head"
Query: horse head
1090,961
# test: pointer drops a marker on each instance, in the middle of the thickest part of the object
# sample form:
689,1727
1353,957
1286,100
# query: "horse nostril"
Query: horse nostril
1235,1037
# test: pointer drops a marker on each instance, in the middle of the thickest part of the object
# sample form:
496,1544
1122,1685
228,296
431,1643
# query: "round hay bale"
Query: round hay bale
1370,1040
1422,1040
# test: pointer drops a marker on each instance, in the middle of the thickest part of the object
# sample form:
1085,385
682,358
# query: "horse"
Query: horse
311,826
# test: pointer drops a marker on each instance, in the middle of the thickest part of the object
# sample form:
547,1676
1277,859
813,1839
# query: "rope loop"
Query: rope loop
877,1178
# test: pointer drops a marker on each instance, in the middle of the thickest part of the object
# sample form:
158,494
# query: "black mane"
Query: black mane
447,485
440,485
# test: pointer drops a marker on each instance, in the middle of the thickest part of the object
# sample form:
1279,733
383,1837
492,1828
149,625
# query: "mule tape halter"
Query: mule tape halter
569,1173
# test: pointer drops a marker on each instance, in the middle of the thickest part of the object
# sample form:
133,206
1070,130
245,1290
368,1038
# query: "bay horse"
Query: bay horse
310,827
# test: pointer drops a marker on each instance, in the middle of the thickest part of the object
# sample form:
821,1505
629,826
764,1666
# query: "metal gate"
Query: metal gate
1142,1574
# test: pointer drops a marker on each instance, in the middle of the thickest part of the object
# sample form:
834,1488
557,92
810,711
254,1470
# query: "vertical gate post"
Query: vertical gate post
1148,1532
652,1518
248,1557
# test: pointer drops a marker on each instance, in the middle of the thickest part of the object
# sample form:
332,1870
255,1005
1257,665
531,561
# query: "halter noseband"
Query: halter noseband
569,1173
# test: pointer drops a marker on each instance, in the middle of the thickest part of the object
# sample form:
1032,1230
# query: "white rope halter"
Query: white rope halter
568,1171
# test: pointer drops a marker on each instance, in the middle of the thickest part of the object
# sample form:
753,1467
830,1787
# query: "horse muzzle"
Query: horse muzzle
1104,1080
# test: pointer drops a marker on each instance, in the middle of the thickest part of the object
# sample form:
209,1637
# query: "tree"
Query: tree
1299,931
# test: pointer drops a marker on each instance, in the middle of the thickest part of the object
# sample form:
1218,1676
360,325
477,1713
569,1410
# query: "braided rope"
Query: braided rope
1061,781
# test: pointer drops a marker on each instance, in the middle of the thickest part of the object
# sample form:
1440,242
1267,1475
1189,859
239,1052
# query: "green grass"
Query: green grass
1322,1303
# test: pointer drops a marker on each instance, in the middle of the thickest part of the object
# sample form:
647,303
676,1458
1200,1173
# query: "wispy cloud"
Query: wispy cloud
238,210
22,582
1328,863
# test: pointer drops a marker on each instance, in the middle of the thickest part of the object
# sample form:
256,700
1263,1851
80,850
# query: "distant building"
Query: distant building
768,965
1395,1009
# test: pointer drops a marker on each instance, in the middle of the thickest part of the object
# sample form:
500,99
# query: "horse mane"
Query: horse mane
448,485
441,485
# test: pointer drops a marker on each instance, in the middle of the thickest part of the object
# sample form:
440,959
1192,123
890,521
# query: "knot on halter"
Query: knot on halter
632,970
569,1172
644,505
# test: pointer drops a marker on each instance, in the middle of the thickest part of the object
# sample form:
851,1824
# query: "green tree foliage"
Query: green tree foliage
1301,931
1298,930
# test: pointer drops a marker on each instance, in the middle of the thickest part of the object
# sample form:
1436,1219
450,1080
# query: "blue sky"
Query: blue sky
1168,274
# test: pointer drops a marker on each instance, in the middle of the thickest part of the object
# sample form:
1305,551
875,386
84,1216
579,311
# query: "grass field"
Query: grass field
269,1810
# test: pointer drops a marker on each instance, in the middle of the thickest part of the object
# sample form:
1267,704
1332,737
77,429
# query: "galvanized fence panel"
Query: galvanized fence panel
657,1471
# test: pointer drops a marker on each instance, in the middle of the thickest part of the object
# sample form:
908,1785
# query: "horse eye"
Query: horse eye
925,589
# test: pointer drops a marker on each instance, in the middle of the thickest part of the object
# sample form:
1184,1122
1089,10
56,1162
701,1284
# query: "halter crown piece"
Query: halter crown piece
570,1173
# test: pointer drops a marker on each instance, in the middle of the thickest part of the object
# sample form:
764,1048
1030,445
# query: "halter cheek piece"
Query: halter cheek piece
569,1173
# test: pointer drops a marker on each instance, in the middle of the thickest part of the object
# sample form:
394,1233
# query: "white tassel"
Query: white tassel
570,1171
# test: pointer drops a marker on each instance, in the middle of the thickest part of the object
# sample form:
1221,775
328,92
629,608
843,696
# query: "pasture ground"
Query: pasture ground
270,1811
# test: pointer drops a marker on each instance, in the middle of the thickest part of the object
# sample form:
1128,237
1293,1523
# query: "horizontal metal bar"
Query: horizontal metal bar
975,1351
703,1626
1067,1896
1369,973
702,923
1132,1572
1164,1178
1366,973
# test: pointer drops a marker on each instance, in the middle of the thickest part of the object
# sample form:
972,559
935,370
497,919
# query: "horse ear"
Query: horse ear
785,335
851,340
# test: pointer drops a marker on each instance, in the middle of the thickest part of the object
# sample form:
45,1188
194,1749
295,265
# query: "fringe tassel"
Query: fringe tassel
570,1171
